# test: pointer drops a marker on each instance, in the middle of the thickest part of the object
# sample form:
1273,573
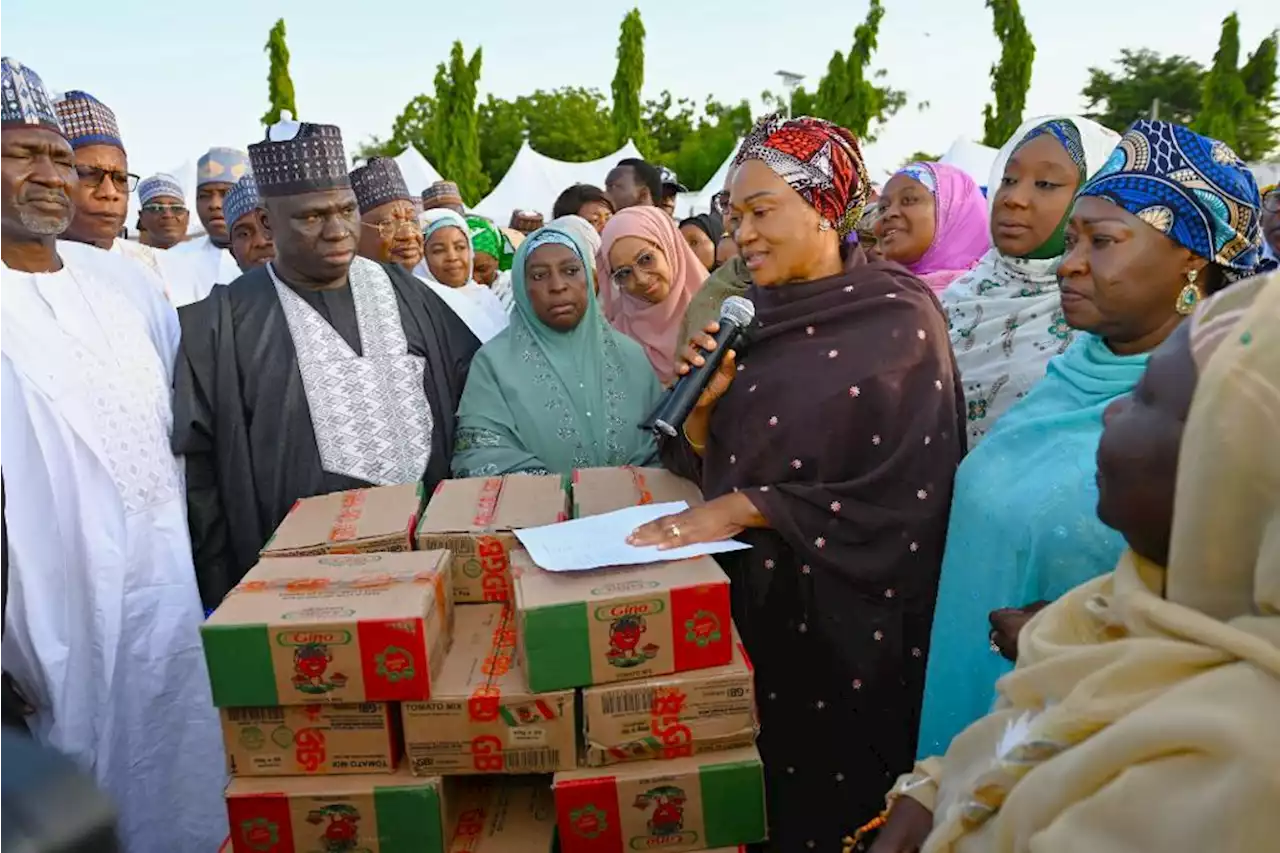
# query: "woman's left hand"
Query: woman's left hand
720,519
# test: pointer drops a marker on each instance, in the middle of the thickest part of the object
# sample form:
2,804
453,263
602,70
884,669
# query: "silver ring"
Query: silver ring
674,530
995,648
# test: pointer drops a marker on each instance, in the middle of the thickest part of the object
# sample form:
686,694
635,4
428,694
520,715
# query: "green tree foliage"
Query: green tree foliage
628,80
921,157
1119,98
571,123
454,140
1223,99
279,84
667,122
1258,135
704,149
502,131
1011,76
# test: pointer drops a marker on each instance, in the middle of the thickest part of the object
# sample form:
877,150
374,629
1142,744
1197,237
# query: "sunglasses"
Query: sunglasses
1271,202
389,229
161,209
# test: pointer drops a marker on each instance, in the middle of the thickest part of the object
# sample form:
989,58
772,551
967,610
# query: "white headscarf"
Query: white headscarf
1006,313
475,304
580,228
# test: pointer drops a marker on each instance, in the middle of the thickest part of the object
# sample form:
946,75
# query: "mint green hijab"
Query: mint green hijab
543,401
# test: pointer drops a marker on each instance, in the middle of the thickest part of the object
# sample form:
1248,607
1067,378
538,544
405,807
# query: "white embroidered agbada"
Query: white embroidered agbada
211,265
476,305
179,273
101,628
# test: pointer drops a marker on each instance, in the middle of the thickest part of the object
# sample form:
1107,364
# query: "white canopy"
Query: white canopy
973,158
417,170
534,181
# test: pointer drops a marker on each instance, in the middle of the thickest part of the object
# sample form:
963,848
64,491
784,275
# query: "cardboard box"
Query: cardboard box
672,716
356,522
306,740
503,816
481,717
600,490
687,804
335,629
582,628
474,519
381,813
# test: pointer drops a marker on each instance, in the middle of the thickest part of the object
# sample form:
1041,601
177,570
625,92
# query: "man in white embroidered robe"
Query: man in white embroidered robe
102,617
217,171
318,372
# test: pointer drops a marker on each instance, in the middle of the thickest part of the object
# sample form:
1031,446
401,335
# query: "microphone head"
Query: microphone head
737,310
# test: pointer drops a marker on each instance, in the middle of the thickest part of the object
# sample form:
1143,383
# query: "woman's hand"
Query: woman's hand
720,519
905,831
692,356
1007,623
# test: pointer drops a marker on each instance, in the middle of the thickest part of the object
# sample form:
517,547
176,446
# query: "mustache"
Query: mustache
56,196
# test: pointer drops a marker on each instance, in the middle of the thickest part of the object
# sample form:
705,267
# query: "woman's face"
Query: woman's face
449,256
778,233
700,243
726,250
641,269
597,213
1138,451
1120,278
556,280
904,229
1039,182
486,268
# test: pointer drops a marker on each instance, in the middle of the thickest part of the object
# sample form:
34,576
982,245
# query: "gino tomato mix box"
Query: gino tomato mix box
394,813
694,803
383,518
582,628
333,629
600,490
509,815
671,716
473,519
304,740
481,717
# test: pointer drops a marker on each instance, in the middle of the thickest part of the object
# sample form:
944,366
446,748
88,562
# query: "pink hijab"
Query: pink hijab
961,234
654,327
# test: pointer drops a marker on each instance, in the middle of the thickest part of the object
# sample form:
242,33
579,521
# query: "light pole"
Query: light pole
790,81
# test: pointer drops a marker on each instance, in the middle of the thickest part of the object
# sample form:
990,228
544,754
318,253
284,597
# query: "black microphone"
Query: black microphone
736,314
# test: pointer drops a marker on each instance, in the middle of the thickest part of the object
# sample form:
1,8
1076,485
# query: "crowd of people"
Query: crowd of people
1003,454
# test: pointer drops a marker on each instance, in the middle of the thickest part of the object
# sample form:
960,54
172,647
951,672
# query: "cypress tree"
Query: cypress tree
1011,76
628,80
279,83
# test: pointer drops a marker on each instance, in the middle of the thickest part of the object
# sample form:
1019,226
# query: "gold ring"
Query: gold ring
675,531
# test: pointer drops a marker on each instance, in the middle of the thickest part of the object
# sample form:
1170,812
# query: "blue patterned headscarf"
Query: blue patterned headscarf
1190,188
1065,131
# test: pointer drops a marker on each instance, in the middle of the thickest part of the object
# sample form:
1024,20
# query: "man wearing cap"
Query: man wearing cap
251,244
319,372
102,616
164,214
102,196
671,187
443,194
216,173
389,230
633,182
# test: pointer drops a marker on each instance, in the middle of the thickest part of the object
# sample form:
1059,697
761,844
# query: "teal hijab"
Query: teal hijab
541,401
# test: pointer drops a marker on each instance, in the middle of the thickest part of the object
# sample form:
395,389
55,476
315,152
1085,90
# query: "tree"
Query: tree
1223,99
413,127
502,132
703,150
1258,134
279,84
1011,76
570,123
920,157
1118,99
666,130
628,80
455,133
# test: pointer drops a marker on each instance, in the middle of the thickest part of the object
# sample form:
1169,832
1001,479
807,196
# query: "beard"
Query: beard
47,224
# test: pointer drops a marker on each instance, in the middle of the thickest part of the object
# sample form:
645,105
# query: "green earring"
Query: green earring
1189,296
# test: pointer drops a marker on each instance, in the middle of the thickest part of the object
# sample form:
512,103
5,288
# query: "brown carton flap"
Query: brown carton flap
328,523
495,504
503,816
600,490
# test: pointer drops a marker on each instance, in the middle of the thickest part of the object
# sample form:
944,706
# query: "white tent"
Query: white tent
534,181
971,157
693,203
417,170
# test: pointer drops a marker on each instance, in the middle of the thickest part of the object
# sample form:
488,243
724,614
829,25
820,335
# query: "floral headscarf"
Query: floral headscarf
1190,188
817,159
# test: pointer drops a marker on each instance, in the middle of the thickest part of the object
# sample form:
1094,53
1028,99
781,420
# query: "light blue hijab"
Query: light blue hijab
1024,527
540,400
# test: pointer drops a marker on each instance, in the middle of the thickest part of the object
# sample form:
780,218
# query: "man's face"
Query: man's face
668,202
209,199
37,178
251,245
624,190
389,234
165,219
316,235
102,197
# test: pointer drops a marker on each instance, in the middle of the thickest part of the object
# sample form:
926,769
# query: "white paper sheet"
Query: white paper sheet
601,540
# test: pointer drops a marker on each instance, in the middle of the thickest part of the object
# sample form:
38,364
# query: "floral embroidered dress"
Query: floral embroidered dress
543,401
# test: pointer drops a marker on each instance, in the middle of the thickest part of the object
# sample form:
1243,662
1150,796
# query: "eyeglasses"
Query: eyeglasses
1271,202
161,209
92,176
720,203
624,276
389,229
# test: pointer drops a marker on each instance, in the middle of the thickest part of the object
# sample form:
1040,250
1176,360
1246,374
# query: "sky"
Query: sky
182,77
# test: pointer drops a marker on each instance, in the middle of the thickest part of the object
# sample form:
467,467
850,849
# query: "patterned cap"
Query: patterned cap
378,182
24,102
221,166
670,180
241,199
159,185
526,221
1190,188
441,194
298,158
87,120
